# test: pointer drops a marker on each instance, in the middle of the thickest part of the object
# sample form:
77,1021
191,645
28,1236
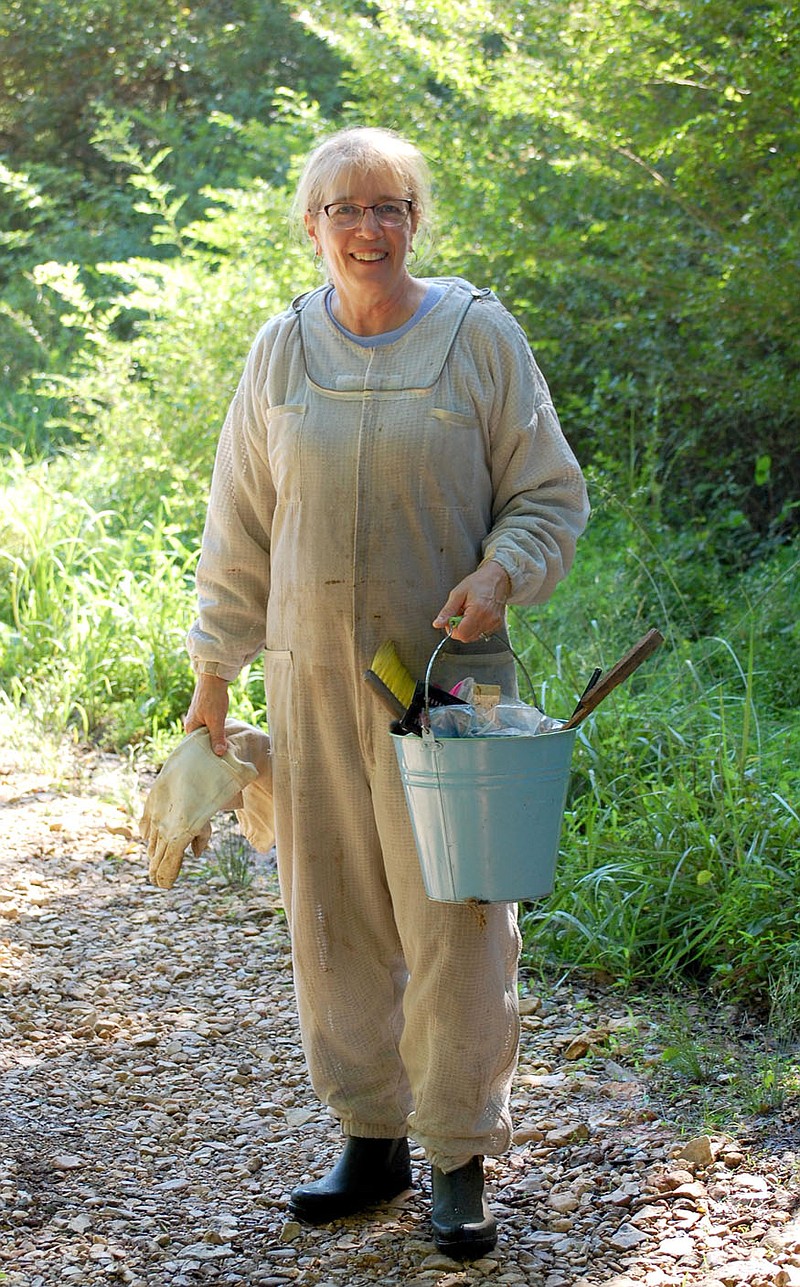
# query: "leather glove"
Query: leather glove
255,814
192,786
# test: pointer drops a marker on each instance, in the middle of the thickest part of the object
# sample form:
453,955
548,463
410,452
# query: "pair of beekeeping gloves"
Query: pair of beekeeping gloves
194,784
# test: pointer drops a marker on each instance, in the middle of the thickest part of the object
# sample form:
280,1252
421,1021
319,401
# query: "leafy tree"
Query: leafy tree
88,88
626,176
198,80
163,60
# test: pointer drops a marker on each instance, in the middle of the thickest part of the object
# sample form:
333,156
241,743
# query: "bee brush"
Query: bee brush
391,681
394,684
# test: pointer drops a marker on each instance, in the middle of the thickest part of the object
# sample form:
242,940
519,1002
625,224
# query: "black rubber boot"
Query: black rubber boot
463,1225
368,1172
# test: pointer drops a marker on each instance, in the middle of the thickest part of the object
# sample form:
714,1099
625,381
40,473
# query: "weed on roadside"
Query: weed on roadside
719,1070
230,855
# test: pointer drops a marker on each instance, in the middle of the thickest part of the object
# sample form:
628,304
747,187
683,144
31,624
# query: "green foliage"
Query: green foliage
762,616
681,843
121,92
681,847
91,613
169,63
159,347
626,177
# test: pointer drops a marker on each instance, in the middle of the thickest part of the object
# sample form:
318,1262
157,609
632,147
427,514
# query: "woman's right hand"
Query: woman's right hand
208,709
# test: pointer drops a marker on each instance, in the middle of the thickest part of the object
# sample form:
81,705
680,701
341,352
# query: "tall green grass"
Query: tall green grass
681,841
92,614
680,856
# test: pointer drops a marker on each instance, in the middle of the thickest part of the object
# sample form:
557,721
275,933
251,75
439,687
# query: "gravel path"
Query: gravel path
154,1107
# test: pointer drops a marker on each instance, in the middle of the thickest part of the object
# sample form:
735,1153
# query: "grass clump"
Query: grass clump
725,1067
680,851
231,856
92,614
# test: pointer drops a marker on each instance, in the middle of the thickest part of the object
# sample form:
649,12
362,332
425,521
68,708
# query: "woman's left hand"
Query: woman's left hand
479,600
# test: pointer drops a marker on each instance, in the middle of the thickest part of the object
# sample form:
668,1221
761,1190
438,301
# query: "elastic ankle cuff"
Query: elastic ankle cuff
364,1131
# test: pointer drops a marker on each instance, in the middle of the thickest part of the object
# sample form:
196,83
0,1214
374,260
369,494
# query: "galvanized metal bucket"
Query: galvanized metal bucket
486,812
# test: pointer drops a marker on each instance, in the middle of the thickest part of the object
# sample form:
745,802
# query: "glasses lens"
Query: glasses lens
344,215
391,214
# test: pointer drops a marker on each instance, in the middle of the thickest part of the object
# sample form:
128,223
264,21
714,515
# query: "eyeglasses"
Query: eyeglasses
389,214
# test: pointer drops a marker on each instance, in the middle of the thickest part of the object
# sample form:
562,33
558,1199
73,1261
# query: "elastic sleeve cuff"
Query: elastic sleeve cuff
506,562
228,673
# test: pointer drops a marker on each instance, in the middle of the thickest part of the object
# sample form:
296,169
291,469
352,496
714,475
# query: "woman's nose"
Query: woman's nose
369,226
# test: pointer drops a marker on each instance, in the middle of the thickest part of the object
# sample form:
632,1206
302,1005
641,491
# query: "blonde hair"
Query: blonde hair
359,151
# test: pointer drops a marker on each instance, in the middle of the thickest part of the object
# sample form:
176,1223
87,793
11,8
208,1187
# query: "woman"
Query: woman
391,459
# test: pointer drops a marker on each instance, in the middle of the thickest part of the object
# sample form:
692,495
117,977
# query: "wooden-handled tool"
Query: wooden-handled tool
596,692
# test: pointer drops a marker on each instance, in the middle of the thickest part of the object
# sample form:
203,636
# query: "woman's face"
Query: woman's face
369,260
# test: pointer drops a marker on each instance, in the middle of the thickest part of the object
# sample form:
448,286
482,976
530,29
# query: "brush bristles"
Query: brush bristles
390,670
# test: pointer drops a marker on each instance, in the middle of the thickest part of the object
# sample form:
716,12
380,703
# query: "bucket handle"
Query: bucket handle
425,714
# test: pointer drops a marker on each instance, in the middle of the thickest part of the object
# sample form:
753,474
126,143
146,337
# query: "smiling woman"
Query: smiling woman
391,459
362,223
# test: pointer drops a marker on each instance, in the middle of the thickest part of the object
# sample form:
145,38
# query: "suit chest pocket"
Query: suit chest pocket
454,472
285,449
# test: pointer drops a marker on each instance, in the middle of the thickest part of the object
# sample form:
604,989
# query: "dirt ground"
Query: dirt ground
155,1111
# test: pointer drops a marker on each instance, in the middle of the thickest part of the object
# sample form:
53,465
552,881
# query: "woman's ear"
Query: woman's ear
311,229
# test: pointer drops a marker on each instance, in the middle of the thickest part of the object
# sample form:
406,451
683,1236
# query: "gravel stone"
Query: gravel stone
155,1110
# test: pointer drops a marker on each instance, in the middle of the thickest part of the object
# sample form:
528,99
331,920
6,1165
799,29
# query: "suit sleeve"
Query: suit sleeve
233,574
540,504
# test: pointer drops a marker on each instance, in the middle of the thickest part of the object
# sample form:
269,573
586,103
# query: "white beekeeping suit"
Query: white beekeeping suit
354,487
